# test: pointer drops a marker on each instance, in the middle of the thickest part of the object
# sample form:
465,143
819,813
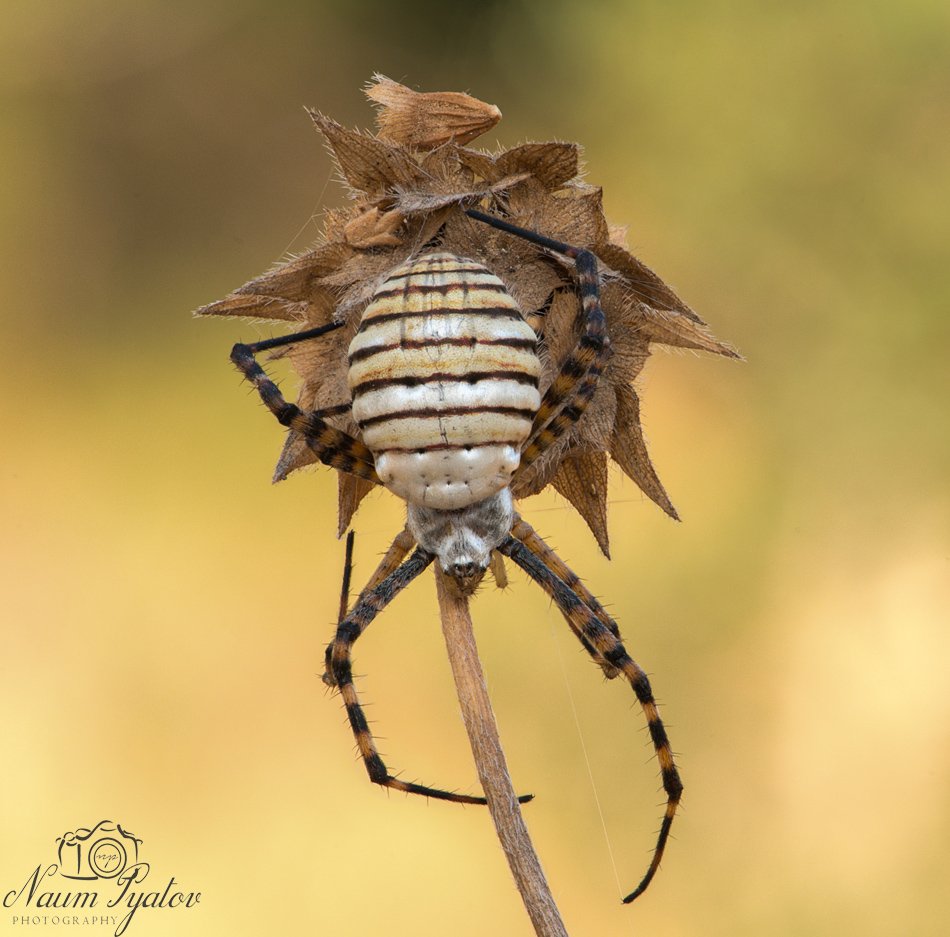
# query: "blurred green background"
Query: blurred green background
165,608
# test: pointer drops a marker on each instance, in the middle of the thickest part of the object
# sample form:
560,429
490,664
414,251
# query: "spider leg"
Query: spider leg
609,646
339,671
566,399
523,532
396,553
497,566
333,447
347,577
336,410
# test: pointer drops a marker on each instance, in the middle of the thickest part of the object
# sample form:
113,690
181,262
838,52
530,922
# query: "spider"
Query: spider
443,375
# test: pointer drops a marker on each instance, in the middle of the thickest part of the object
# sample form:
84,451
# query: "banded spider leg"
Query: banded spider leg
566,399
608,647
333,447
339,670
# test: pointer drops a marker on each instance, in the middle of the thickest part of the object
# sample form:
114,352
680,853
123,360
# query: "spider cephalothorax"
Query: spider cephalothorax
483,360
463,539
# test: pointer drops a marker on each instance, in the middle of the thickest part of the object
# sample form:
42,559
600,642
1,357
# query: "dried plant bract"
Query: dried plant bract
423,121
409,183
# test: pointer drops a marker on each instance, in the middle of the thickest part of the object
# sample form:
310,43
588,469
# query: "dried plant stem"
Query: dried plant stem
490,761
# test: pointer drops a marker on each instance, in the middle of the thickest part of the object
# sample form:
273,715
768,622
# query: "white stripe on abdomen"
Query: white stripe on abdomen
443,375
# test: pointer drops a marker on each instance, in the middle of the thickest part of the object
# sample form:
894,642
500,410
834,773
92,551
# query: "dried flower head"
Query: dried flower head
407,184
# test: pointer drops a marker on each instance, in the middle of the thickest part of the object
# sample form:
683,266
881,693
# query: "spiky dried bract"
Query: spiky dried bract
424,121
409,185
582,478
374,228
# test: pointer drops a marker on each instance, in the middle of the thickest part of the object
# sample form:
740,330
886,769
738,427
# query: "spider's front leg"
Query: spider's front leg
333,447
609,647
397,552
339,670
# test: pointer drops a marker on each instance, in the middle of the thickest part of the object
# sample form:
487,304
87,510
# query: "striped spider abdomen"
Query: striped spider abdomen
443,374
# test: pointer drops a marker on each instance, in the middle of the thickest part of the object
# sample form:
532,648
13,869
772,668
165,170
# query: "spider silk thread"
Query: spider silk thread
590,770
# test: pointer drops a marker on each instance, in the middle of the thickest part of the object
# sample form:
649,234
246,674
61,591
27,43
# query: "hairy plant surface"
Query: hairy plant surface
408,184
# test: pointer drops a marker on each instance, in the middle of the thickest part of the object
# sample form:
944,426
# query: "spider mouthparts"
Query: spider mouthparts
465,577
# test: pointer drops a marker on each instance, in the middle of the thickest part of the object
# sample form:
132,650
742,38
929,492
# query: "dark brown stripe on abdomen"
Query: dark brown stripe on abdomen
457,286
448,411
490,312
440,377
468,341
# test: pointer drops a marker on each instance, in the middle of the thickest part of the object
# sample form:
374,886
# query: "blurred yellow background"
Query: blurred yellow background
165,609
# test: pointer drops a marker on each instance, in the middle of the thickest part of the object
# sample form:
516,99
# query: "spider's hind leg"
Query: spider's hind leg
523,532
609,647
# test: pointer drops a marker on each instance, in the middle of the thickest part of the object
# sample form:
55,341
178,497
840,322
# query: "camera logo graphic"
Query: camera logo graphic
101,852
